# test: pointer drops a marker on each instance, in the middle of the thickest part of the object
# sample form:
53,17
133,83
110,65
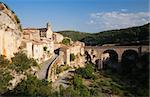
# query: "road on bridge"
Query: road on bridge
44,68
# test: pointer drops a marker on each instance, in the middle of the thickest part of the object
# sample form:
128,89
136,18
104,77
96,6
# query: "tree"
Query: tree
66,41
20,62
71,92
80,89
5,76
86,72
72,57
77,81
4,62
84,92
32,87
121,36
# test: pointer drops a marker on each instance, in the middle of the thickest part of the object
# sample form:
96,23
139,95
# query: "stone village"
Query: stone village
47,47
38,43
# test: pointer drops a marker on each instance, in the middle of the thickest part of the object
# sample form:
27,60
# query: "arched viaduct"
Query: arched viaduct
96,52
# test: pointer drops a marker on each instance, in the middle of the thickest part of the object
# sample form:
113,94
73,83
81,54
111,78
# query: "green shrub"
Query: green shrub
17,19
86,72
77,81
32,87
20,62
66,41
72,57
61,68
5,76
3,61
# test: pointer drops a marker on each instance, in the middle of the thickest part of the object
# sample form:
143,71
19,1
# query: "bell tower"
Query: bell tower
49,31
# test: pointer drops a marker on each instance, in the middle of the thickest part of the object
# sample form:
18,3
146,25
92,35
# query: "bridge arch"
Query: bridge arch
110,60
130,55
129,59
88,56
113,55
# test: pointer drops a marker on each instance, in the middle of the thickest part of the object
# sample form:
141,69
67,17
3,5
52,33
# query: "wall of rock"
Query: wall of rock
10,32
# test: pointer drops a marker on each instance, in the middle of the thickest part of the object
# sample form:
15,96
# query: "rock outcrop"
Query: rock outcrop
10,31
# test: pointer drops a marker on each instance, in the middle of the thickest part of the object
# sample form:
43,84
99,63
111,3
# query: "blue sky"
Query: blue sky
82,15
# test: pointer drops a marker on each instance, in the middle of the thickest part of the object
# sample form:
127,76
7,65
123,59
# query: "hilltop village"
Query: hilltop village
42,44
38,43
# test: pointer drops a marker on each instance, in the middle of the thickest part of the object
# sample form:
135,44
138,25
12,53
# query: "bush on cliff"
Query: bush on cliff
20,62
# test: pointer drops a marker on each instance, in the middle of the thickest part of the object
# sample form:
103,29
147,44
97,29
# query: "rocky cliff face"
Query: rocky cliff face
10,31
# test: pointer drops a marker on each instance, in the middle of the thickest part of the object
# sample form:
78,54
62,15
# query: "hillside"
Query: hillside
128,36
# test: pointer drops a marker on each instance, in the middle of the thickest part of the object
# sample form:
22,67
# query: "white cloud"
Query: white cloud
117,20
124,10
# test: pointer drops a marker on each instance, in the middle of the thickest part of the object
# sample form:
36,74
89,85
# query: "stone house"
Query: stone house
57,38
35,40
76,48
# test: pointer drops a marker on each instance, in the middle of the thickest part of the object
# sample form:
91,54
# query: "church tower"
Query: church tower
49,32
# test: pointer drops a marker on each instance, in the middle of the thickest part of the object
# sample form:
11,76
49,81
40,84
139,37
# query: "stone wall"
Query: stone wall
57,37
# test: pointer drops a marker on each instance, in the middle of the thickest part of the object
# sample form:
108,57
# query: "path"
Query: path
44,68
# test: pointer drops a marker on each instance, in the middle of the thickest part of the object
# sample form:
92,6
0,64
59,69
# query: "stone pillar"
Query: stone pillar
67,57
140,50
100,64
120,56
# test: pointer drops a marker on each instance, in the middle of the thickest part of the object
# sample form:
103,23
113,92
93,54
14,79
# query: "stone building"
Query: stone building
57,38
38,43
38,33
76,48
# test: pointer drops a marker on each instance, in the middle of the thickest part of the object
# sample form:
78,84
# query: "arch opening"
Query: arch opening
109,59
88,57
129,60
57,51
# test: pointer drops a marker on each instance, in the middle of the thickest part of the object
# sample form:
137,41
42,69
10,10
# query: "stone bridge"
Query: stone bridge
96,52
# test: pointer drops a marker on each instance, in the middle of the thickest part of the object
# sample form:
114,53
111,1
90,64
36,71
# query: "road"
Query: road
44,68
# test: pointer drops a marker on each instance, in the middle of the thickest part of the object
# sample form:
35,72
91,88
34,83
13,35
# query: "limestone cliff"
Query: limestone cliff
10,31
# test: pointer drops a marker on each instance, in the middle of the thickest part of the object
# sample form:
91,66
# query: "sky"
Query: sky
81,15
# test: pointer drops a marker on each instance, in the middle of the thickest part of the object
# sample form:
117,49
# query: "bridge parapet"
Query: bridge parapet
97,51
51,70
52,76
